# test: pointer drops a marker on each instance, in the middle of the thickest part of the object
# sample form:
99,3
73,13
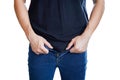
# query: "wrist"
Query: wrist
86,34
88,31
29,32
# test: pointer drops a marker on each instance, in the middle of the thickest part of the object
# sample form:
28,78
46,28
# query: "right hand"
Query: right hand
38,44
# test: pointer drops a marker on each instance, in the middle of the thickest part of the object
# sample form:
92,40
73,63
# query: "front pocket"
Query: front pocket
79,53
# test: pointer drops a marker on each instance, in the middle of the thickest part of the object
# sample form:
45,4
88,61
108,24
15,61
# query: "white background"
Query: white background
103,49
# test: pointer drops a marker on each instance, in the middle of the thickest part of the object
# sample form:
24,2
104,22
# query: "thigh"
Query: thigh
73,66
41,67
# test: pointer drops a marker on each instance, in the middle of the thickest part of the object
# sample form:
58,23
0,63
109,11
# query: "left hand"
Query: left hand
79,44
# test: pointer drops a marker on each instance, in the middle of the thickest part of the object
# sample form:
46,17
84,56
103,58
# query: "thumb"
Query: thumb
70,45
48,44
72,49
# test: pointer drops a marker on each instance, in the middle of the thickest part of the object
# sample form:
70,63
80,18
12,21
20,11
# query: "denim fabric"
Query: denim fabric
72,66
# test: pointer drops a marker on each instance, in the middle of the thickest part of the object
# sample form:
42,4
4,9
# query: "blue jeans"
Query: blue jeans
72,66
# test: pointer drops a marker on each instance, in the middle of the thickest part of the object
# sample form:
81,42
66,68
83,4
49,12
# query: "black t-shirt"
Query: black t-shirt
58,21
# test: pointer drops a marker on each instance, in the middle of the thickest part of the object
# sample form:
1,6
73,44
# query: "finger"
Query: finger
72,49
70,45
38,51
76,50
44,49
48,44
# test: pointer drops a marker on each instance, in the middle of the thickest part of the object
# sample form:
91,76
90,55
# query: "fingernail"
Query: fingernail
47,52
67,48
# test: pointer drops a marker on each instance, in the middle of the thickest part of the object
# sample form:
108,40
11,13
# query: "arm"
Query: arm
80,42
22,15
95,17
37,42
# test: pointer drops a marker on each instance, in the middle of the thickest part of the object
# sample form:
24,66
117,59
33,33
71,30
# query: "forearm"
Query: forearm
22,15
95,17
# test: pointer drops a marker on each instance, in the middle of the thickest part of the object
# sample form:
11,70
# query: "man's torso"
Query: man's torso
58,21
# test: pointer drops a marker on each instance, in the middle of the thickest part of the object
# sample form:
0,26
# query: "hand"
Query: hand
38,44
79,44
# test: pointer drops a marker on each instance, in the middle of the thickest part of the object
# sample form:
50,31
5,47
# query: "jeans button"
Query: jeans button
57,55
